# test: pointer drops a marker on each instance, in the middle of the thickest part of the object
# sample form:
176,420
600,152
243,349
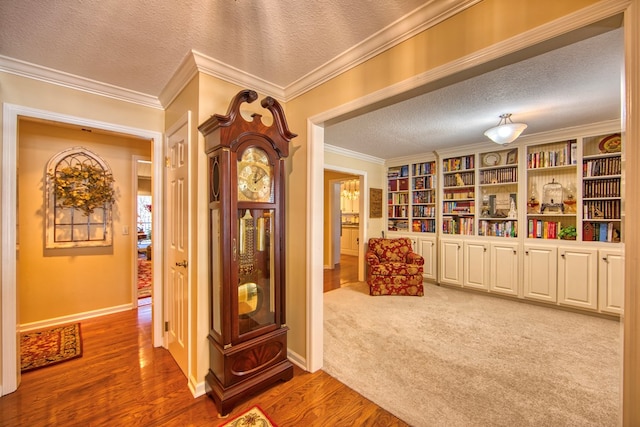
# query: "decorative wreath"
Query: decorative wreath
83,187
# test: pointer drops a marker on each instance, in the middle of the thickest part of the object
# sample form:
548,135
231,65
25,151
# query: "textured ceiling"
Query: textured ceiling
139,45
570,86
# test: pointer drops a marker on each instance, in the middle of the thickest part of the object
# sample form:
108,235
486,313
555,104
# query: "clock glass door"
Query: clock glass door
256,299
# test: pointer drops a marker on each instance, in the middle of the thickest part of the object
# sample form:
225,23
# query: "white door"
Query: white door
540,272
336,224
427,248
451,262
611,280
176,286
504,268
578,277
476,265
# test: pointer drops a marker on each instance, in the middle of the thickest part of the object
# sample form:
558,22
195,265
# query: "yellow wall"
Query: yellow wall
61,282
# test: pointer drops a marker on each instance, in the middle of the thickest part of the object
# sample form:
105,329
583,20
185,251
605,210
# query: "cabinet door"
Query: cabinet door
427,248
451,262
540,273
504,268
611,280
578,277
476,265
354,244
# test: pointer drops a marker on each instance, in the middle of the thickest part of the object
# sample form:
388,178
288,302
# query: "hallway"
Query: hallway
345,272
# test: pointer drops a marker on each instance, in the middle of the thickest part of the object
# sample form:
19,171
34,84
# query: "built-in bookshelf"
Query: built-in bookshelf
458,192
602,188
423,197
498,186
551,181
398,198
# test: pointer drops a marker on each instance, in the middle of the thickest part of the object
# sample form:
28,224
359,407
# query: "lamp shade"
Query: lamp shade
505,132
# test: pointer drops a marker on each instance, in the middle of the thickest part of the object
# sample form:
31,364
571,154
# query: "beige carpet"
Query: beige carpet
455,358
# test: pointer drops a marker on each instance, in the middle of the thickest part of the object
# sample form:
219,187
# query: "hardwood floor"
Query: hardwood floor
345,272
122,380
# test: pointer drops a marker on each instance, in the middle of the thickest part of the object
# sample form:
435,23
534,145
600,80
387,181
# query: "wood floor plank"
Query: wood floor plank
122,380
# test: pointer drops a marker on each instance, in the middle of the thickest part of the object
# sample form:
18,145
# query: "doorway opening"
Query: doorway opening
144,205
343,254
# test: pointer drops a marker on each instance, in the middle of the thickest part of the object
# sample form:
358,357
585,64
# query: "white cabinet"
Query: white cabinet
427,248
504,268
611,280
578,277
476,265
540,272
350,241
451,262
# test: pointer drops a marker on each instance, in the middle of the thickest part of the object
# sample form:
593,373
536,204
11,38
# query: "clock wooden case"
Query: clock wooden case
246,180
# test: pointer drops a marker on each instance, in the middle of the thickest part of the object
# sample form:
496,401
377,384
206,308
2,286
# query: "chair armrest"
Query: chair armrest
415,258
371,258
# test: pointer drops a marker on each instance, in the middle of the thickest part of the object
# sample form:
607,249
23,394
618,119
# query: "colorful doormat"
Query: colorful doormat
49,346
144,278
253,417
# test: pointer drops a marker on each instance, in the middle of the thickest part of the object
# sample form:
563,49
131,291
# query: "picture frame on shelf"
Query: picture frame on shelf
512,157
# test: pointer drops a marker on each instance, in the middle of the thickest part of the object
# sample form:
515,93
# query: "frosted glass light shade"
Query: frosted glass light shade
505,132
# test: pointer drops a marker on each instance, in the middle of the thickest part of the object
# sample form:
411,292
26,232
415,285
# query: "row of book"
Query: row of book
600,232
609,187
499,176
459,208
398,171
458,163
565,155
498,229
457,226
428,168
398,211
459,179
398,198
423,182
539,229
400,184
424,212
601,209
424,197
462,193
424,226
602,167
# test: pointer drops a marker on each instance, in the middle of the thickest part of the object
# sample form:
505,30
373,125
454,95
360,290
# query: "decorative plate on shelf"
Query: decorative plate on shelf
490,159
611,144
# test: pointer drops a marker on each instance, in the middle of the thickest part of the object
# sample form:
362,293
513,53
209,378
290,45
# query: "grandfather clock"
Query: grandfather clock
246,178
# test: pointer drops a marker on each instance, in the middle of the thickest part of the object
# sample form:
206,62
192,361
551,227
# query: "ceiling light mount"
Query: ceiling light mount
506,131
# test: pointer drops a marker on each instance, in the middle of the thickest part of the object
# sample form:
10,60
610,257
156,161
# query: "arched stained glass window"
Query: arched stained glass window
79,200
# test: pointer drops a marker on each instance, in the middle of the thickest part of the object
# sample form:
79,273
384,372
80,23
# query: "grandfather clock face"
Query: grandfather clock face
255,176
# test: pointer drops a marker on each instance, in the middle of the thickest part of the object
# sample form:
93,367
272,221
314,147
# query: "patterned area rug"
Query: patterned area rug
144,278
49,346
253,417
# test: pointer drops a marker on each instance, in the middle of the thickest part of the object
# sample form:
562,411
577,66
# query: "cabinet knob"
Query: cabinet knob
515,252
562,255
526,252
605,259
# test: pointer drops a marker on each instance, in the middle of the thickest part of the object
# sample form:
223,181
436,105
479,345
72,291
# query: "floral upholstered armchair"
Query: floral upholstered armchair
394,269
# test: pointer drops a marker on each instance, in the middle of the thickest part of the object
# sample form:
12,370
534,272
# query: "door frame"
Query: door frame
10,369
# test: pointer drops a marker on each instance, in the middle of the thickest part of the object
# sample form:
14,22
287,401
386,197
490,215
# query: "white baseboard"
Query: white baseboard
296,359
74,317
197,388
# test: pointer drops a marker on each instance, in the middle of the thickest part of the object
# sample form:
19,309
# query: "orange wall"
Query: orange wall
61,282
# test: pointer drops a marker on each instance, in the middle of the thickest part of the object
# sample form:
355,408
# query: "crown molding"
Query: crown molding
71,81
395,33
352,154
195,62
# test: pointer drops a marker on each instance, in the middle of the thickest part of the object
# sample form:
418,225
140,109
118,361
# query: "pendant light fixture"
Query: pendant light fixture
506,131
